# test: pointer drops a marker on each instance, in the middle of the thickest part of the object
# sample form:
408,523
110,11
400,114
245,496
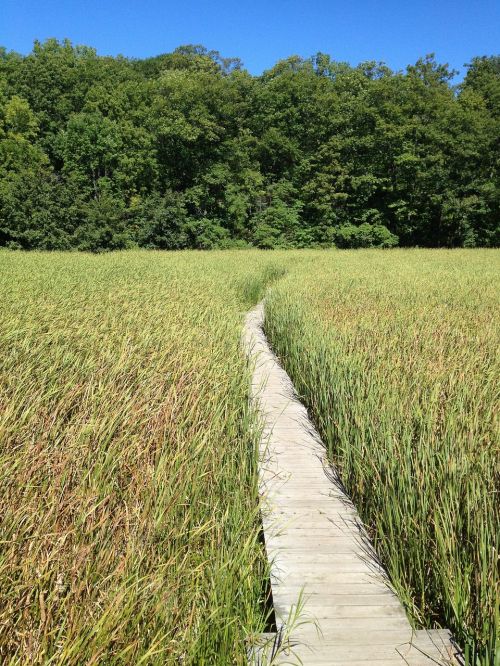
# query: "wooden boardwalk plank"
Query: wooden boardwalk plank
316,543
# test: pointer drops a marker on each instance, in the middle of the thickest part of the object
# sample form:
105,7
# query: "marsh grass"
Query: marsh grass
129,524
396,356
128,484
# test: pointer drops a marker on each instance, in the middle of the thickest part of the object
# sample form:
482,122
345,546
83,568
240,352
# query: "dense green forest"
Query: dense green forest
188,149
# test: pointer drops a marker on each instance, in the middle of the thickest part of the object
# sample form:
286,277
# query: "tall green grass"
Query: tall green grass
396,355
128,486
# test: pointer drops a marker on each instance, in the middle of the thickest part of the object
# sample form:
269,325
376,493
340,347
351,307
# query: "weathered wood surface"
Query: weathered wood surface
317,544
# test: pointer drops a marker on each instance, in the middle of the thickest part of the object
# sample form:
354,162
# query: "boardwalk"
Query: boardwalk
316,542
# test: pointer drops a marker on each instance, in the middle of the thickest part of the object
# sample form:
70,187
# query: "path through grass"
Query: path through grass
128,484
396,355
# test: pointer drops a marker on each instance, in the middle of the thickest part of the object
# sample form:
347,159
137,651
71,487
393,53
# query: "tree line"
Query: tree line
188,150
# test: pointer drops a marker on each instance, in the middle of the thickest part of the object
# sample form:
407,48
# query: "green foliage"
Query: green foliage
278,224
161,222
366,235
104,226
293,158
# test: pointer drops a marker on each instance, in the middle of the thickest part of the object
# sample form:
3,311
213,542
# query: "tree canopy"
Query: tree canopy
188,150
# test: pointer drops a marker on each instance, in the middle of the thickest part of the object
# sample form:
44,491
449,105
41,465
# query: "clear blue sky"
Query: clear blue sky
262,31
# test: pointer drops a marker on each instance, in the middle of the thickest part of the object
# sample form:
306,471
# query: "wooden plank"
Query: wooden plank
312,600
334,590
343,654
374,613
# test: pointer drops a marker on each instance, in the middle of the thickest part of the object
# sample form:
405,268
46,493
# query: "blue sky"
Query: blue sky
261,32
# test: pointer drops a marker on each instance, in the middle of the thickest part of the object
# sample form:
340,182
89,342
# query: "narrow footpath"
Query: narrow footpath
317,544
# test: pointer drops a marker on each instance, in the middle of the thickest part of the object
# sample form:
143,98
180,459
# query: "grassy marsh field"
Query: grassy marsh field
397,357
128,480
128,496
